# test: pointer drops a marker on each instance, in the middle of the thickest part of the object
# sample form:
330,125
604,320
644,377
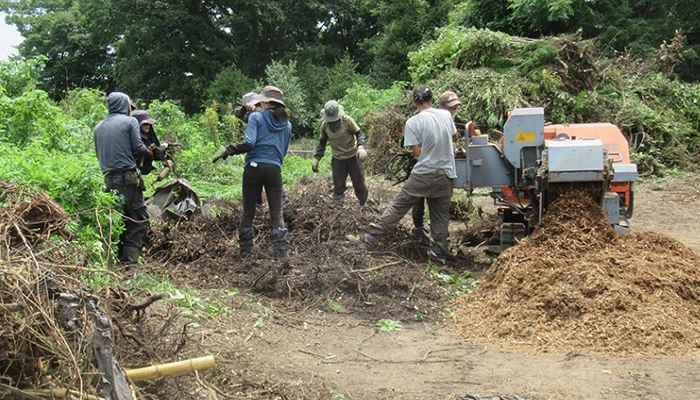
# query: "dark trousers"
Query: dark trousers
268,176
419,213
135,213
436,187
341,169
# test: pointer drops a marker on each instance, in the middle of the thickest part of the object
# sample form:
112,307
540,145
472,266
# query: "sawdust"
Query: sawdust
573,285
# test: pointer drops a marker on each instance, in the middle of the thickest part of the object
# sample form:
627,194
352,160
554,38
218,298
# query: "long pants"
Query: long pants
436,187
418,213
340,170
135,213
268,176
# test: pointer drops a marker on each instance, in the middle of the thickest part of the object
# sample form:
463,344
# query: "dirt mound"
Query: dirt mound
573,285
323,268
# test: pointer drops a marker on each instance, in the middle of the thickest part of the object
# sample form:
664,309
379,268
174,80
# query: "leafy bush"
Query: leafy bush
285,77
362,99
458,47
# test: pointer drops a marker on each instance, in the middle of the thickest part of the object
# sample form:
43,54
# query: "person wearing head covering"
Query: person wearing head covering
429,134
250,104
267,138
449,101
348,150
150,139
118,145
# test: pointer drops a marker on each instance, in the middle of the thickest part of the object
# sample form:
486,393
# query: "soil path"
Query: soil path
430,361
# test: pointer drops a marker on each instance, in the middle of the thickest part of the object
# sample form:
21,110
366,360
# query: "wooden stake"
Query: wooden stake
170,369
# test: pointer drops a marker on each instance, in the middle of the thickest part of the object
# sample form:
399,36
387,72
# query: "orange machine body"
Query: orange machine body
613,140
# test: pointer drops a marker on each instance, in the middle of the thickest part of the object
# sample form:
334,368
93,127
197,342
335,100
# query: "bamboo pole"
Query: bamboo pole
170,369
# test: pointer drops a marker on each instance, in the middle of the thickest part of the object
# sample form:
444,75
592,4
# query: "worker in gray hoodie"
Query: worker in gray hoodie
118,144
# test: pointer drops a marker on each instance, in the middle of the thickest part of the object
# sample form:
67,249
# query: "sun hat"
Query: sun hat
449,99
249,98
332,111
270,94
143,117
423,94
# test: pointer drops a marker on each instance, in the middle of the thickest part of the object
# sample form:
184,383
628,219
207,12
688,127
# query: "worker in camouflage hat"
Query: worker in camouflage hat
348,150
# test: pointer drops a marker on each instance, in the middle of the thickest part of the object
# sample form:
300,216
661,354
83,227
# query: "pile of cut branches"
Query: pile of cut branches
56,337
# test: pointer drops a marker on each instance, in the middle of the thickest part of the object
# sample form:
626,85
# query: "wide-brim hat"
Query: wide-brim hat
249,98
271,94
143,117
332,111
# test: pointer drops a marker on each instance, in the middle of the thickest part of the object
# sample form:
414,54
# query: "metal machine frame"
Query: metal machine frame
534,162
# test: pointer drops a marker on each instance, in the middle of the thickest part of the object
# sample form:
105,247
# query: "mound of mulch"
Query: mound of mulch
575,285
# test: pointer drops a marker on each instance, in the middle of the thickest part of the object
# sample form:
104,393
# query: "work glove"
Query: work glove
159,151
314,165
361,153
220,156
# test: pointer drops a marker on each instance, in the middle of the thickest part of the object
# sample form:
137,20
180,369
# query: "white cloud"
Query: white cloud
9,38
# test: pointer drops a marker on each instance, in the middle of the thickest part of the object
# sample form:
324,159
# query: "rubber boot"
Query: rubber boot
280,242
130,255
245,241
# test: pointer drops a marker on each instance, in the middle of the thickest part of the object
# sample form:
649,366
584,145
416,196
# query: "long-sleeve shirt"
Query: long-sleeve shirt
118,137
267,138
344,137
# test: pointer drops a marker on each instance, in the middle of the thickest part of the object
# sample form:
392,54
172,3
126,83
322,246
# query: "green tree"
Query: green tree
285,77
77,53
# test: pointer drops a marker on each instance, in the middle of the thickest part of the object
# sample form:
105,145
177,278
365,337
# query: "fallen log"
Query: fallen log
171,369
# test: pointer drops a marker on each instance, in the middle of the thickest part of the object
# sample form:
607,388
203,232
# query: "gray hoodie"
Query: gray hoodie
118,138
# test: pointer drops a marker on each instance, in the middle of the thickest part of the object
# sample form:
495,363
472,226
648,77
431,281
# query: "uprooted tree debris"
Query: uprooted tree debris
323,266
57,337
574,285
51,320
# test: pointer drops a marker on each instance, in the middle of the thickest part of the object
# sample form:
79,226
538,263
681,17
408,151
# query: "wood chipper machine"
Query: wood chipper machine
534,163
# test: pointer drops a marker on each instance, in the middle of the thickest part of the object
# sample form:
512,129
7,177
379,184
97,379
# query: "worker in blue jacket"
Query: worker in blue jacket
267,138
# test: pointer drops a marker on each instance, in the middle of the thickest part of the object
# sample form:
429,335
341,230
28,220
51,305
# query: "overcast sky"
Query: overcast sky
9,38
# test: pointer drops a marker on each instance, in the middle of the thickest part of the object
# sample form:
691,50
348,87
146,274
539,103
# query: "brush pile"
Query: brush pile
575,285
56,333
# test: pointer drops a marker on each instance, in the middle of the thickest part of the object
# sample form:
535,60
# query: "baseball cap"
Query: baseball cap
449,99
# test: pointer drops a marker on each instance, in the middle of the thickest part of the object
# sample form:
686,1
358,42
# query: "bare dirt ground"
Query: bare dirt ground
284,341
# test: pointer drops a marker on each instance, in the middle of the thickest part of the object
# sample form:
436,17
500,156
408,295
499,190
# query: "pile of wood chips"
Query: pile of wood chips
574,285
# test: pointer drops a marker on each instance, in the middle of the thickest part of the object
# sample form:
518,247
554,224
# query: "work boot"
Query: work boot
245,241
421,233
130,255
280,242
436,255
366,240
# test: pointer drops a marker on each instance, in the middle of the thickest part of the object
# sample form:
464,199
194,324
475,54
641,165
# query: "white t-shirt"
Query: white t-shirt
432,130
